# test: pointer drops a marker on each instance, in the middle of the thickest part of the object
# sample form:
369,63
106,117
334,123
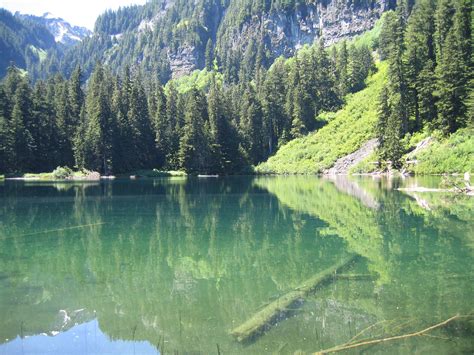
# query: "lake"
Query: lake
173,265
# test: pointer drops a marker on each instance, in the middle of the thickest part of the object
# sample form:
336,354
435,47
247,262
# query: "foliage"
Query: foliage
62,173
200,79
449,155
350,128
430,66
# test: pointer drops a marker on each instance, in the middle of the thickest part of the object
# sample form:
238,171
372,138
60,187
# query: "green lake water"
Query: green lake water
173,265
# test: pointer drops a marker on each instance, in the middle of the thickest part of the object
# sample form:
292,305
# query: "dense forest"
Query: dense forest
126,122
121,123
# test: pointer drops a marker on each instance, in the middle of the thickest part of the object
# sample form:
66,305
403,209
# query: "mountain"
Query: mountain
174,37
23,42
29,41
62,30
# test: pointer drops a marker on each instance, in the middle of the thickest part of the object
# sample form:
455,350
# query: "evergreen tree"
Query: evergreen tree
47,155
21,122
250,126
273,104
454,65
323,85
6,136
194,151
389,128
143,140
174,126
342,69
96,151
162,128
209,54
418,58
75,100
425,87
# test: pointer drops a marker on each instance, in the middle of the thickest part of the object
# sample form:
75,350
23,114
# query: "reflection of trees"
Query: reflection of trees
186,260
347,217
425,271
189,260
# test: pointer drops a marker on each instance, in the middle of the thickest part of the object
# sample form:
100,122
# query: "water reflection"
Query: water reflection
178,263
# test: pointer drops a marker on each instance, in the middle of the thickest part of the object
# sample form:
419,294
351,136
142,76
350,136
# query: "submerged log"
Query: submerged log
266,317
356,277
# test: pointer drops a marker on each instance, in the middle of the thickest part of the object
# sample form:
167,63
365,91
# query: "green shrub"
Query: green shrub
447,156
62,173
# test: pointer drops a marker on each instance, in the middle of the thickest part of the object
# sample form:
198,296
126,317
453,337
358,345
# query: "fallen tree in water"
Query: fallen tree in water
266,317
357,344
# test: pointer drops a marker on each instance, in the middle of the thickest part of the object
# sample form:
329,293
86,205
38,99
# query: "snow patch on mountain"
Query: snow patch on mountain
62,30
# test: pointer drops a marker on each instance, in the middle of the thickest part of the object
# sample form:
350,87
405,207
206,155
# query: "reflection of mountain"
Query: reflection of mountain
188,260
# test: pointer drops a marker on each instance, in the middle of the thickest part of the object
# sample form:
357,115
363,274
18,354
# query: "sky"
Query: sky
77,12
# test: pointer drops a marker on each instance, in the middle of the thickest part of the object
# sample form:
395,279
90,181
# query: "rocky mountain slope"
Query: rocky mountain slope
28,41
175,37
22,42
62,30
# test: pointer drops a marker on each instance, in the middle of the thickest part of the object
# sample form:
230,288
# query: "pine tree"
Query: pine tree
209,54
6,136
216,122
389,128
162,127
342,64
397,71
298,102
250,126
273,104
425,87
419,53
194,150
454,66
47,155
23,143
174,126
97,148
325,80
143,140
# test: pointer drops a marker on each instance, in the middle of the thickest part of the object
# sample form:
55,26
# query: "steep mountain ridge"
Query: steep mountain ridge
22,42
62,30
170,38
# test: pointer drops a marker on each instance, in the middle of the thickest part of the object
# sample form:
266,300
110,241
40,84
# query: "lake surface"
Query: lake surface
173,265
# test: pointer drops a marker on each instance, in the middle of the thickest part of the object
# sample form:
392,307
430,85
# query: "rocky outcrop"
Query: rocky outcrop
344,164
334,20
284,31
62,30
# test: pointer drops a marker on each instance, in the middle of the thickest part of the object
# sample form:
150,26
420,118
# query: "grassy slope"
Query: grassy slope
451,155
351,126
